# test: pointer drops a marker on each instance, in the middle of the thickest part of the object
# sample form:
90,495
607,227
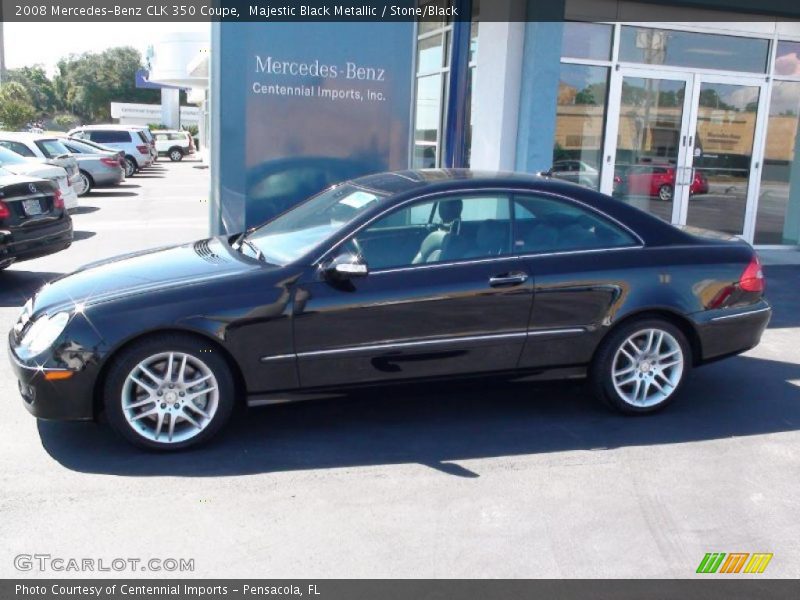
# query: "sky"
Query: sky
28,44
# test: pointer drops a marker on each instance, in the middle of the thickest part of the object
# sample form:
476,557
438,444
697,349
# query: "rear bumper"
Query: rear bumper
18,244
731,331
109,177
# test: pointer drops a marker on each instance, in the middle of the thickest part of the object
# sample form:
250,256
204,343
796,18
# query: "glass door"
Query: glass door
686,147
724,158
647,141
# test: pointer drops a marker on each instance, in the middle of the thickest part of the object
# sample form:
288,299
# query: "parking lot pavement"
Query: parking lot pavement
497,480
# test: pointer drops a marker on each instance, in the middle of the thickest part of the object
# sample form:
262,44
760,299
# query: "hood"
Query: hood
141,272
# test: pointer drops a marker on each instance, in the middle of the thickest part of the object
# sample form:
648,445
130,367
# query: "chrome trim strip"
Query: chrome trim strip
457,263
564,331
392,345
741,314
278,357
499,189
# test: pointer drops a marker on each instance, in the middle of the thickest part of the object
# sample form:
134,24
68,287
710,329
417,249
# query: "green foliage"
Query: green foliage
16,109
88,83
155,126
40,89
192,129
65,121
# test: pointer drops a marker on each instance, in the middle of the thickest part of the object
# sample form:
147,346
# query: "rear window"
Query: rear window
109,136
142,136
52,148
17,147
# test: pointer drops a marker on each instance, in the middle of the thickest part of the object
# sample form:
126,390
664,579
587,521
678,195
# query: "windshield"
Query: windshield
52,148
292,234
7,157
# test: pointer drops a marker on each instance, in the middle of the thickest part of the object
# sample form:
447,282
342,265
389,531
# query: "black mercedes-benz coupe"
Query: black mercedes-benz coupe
389,278
33,219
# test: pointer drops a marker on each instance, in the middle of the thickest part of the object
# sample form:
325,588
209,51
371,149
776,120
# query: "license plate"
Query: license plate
32,207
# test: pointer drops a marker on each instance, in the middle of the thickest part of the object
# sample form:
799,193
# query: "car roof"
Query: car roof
25,136
112,126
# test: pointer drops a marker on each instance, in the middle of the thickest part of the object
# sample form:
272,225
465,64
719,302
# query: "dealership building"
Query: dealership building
689,113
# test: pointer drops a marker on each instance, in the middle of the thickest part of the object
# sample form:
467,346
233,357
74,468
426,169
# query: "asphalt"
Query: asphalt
494,480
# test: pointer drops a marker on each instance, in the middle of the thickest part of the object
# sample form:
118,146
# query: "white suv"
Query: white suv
175,144
120,137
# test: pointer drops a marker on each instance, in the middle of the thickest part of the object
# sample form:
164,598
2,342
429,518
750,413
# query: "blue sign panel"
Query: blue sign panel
306,105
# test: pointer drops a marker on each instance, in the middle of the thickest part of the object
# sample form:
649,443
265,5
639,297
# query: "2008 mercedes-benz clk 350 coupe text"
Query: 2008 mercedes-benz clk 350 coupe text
394,277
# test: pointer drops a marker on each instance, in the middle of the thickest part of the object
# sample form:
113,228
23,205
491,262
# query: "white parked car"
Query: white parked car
174,144
130,140
35,167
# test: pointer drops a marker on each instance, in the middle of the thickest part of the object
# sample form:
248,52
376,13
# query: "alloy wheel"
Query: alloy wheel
170,397
130,167
665,193
647,367
84,185
175,155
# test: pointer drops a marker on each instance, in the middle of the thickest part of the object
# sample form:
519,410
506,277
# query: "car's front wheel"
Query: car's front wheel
169,392
665,192
641,366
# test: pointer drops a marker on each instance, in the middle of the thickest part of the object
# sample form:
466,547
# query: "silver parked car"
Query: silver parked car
98,168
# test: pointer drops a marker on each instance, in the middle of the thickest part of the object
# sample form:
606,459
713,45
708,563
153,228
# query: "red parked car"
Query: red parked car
659,181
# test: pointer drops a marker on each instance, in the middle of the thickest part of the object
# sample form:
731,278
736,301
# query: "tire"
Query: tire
130,166
633,392
665,192
176,155
87,182
156,405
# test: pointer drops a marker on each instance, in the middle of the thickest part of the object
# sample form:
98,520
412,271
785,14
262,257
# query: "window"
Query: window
17,147
778,217
109,136
691,49
787,59
549,225
52,148
587,40
444,230
580,122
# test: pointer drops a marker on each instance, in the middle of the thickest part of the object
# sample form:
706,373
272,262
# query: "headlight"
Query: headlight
41,335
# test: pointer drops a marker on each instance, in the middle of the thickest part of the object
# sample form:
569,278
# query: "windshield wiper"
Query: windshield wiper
243,241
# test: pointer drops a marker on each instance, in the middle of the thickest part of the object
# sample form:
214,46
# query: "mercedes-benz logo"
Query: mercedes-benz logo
32,188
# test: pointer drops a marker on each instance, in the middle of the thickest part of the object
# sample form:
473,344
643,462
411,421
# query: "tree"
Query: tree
39,88
91,81
16,109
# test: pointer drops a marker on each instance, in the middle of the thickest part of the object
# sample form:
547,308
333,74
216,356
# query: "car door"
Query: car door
574,254
445,295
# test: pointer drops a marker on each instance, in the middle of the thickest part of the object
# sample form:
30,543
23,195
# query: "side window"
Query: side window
448,229
546,224
18,147
109,136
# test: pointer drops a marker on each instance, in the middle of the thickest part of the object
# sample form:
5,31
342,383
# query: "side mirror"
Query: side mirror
346,266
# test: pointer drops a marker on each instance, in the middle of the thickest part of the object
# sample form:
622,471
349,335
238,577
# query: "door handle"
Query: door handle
508,279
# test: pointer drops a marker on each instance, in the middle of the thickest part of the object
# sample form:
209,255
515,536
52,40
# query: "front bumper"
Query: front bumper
731,331
68,399
19,244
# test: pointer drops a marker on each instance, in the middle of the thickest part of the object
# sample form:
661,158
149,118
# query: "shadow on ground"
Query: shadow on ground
438,427
112,194
783,286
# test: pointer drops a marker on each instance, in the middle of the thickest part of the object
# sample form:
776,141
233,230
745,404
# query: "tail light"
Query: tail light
111,162
142,149
752,280
58,200
4,211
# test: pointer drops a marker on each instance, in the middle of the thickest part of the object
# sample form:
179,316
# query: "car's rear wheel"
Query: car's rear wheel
169,392
130,166
85,184
641,366
175,155
665,192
